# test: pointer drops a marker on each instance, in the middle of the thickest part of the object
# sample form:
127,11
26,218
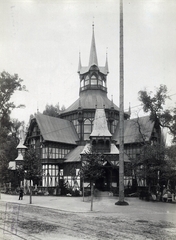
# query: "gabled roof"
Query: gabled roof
100,127
131,130
74,155
56,129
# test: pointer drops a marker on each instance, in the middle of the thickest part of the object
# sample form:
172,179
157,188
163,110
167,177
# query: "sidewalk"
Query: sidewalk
136,209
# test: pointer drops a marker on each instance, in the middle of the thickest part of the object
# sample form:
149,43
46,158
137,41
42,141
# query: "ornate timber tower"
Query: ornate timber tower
92,95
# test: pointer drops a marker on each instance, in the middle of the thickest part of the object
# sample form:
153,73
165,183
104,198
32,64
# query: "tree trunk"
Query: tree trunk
92,189
30,193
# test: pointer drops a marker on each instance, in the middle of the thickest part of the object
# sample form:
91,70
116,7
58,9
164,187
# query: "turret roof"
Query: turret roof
93,60
88,99
100,127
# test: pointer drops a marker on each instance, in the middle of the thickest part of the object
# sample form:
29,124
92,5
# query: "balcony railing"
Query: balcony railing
93,87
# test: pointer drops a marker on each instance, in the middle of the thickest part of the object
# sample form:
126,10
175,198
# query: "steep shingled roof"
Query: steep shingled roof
131,130
93,60
56,129
100,127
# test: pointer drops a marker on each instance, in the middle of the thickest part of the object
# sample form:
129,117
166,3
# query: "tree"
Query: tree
150,163
153,162
32,167
9,84
92,169
53,111
169,171
154,104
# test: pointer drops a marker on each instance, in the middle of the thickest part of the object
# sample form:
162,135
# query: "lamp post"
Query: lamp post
121,122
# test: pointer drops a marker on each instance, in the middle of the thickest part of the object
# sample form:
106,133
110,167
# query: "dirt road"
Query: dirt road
29,222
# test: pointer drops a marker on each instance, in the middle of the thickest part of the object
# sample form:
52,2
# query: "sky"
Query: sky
40,40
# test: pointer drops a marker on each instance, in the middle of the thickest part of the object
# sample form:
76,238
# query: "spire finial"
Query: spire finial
37,108
93,24
112,104
79,64
93,54
129,111
106,63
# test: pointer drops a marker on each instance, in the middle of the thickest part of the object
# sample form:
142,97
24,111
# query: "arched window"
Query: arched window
93,80
87,129
101,142
94,143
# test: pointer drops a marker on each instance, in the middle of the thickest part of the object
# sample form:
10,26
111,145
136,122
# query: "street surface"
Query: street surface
69,218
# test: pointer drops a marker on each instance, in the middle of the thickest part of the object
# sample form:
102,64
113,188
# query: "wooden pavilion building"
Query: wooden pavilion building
92,120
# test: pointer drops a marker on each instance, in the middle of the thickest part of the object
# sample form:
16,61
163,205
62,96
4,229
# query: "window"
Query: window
44,153
50,176
87,129
86,82
93,80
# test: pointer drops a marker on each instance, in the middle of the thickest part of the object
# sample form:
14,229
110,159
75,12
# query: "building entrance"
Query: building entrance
109,180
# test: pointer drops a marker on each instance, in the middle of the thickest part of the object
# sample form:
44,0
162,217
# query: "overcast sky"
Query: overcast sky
40,40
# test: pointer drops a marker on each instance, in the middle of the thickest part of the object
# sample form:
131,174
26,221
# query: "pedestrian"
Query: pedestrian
21,194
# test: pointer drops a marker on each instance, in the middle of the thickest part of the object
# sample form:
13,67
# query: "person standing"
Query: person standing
21,194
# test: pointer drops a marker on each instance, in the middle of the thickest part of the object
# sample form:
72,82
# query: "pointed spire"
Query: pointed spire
129,111
21,138
93,54
100,127
106,63
79,64
112,104
79,103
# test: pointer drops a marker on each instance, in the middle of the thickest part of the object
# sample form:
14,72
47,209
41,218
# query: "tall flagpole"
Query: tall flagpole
121,120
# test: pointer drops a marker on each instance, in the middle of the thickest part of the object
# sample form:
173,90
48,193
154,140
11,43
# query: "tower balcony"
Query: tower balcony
93,87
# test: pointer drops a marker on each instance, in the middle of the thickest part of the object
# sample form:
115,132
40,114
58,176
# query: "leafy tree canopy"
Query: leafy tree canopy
154,103
53,111
92,163
8,85
32,165
9,128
